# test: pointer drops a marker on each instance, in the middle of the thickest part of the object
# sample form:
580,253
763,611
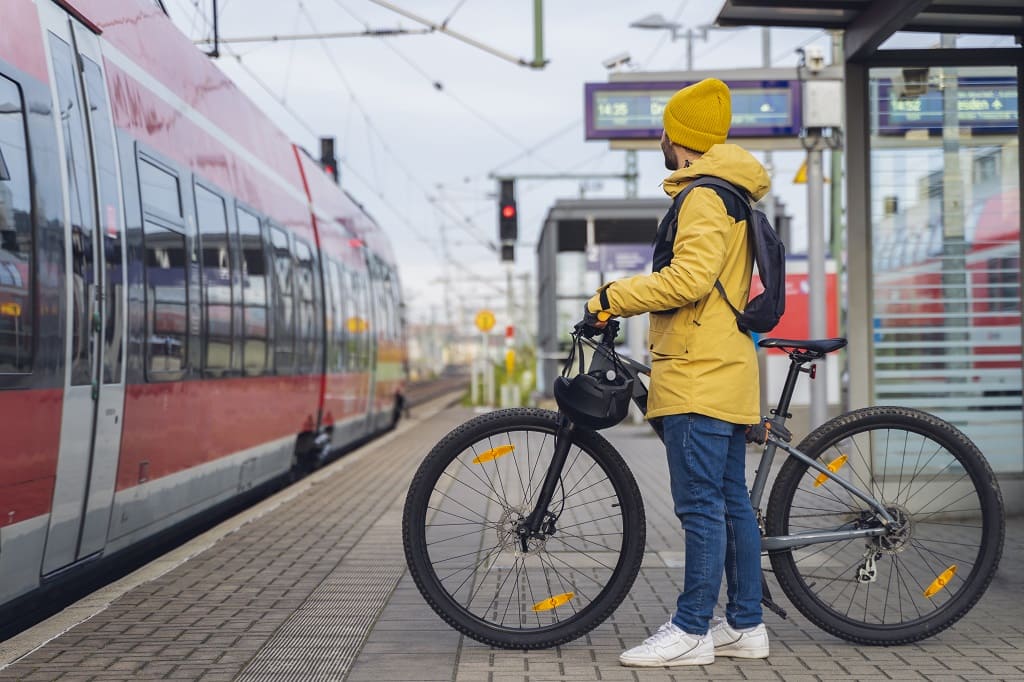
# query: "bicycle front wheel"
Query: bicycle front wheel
471,495
929,568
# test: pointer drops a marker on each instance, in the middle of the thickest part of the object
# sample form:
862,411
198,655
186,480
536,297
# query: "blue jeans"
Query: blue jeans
706,459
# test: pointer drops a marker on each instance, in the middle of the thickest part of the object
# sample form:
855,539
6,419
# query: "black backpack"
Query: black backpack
762,312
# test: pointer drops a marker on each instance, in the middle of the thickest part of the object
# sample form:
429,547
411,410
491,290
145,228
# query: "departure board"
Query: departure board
633,110
984,105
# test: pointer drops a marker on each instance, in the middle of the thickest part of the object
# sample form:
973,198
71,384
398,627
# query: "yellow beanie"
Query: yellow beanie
699,116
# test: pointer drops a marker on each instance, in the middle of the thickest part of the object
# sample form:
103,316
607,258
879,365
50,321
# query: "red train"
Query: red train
189,305
949,316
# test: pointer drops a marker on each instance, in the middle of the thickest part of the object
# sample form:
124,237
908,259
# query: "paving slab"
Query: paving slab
314,587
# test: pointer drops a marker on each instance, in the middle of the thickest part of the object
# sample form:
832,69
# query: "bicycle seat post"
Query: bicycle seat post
781,412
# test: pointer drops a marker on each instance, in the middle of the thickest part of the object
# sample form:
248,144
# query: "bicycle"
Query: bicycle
523,531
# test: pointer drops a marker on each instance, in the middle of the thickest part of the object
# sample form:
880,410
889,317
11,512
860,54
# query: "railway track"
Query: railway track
423,391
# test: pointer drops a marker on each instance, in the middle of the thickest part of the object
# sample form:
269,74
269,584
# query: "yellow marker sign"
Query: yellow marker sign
485,321
510,362
553,602
801,175
10,309
493,453
356,325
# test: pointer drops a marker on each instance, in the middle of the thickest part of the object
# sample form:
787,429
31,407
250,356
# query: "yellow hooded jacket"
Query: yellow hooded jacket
701,361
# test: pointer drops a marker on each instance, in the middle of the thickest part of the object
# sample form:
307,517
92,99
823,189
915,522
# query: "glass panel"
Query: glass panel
160,191
305,282
284,323
946,250
216,282
358,323
254,293
166,302
16,290
106,177
340,310
572,276
80,199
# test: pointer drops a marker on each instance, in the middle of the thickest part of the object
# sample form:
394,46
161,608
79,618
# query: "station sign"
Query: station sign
984,105
628,110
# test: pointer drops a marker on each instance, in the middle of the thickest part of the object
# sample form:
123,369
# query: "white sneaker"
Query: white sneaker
751,643
670,646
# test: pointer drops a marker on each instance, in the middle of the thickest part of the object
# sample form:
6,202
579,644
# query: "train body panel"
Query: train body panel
174,328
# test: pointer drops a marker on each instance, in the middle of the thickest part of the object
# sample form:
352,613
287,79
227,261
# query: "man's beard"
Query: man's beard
671,163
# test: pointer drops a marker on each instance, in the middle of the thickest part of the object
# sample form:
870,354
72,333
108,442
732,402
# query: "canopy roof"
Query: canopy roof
868,23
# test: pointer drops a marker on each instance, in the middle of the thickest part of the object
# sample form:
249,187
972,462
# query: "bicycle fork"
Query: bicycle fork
541,522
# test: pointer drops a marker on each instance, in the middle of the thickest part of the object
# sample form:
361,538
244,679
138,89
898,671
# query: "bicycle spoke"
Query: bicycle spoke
464,484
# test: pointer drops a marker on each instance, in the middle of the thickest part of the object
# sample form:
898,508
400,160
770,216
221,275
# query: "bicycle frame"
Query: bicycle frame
603,359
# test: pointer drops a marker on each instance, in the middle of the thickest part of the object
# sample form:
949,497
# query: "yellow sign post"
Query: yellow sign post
485,321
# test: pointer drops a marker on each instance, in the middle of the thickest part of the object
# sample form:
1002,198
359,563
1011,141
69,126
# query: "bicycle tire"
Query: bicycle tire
562,622
930,574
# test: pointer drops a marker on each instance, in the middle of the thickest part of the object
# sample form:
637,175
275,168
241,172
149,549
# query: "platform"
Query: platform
311,585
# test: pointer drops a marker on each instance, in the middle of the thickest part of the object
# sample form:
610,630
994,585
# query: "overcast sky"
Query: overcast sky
423,120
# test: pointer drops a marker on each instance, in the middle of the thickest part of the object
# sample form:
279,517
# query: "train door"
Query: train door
93,400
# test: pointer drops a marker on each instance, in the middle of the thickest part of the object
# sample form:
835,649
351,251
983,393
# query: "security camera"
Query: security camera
617,61
815,59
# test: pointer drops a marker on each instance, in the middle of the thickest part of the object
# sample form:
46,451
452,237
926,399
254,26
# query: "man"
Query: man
704,380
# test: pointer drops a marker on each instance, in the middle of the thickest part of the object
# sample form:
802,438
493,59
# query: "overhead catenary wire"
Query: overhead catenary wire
404,220
439,86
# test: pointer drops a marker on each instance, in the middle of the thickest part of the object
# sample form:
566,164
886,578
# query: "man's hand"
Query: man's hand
592,323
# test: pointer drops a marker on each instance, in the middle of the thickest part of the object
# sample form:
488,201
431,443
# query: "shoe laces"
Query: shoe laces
664,633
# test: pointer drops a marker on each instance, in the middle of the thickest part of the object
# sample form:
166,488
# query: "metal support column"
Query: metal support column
816,296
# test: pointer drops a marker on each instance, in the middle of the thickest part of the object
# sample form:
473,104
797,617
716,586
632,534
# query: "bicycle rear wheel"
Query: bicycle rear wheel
935,562
470,495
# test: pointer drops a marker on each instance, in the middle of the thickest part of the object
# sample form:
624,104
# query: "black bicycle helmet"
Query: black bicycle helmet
595,400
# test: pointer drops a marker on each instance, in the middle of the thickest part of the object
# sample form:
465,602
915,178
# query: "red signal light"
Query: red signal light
508,211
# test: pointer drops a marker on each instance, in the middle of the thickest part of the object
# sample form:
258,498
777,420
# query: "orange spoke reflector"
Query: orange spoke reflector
493,453
553,602
941,581
834,466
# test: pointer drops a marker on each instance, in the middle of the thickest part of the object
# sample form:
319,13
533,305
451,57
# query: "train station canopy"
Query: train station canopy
869,23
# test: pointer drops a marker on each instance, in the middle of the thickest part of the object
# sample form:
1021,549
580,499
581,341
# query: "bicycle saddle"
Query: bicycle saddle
817,347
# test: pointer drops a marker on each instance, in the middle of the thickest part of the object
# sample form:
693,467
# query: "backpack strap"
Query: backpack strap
730,195
721,186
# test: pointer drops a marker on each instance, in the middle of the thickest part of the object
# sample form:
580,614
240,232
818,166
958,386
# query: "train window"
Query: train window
80,202
160,191
330,315
254,294
216,282
359,326
339,316
166,302
284,302
106,190
307,328
16,291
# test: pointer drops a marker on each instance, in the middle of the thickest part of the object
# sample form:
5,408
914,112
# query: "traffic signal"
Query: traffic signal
327,160
508,217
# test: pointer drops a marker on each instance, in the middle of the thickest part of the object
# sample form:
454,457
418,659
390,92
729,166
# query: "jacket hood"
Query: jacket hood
727,161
